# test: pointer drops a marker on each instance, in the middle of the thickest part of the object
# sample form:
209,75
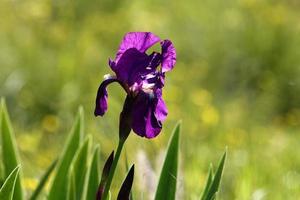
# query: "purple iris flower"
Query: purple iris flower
142,77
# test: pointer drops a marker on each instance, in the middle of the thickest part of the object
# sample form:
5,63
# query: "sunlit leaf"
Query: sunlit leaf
9,150
43,181
208,182
214,187
166,189
93,175
59,185
7,189
71,193
79,168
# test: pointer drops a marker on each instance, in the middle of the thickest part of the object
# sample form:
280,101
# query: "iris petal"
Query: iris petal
138,40
168,55
102,95
134,64
161,110
148,113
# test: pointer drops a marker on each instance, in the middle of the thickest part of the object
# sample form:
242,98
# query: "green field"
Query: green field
236,84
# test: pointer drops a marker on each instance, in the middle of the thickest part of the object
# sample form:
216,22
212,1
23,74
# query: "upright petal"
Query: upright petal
101,99
138,40
134,64
168,55
147,116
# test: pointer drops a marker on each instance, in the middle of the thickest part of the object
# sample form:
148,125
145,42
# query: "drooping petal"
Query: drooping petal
138,40
168,55
134,64
148,113
101,99
161,110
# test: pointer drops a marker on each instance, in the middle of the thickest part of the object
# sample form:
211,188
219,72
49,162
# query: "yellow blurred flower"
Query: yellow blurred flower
201,97
30,183
210,115
50,123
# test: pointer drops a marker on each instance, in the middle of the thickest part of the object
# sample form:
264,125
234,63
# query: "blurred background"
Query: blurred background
236,84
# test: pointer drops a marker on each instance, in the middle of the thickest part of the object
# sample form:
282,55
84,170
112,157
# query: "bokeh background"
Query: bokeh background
236,84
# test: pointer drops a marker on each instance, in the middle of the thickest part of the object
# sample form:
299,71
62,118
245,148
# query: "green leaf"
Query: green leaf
124,193
7,189
208,182
79,167
71,186
43,181
104,176
9,149
109,195
1,170
166,189
214,187
94,175
127,168
59,186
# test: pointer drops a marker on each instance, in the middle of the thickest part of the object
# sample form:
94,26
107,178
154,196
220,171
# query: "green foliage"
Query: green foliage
8,188
9,150
78,176
71,194
125,190
213,180
60,183
236,82
208,182
93,175
79,169
131,197
104,176
43,181
166,189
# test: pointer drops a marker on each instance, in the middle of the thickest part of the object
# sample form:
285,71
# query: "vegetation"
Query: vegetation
236,84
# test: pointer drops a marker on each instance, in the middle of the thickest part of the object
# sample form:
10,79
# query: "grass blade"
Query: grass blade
166,189
104,176
94,175
43,181
9,149
79,168
7,189
127,168
125,190
71,186
208,182
59,187
214,187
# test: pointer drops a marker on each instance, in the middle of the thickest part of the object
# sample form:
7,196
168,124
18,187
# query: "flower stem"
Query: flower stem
113,168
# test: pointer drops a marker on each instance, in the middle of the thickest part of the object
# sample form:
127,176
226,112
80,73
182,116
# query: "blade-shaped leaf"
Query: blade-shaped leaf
166,189
59,185
127,168
7,189
79,167
214,187
104,176
208,182
109,195
43,181
125,190
94,175
71,194
9,150
1,171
